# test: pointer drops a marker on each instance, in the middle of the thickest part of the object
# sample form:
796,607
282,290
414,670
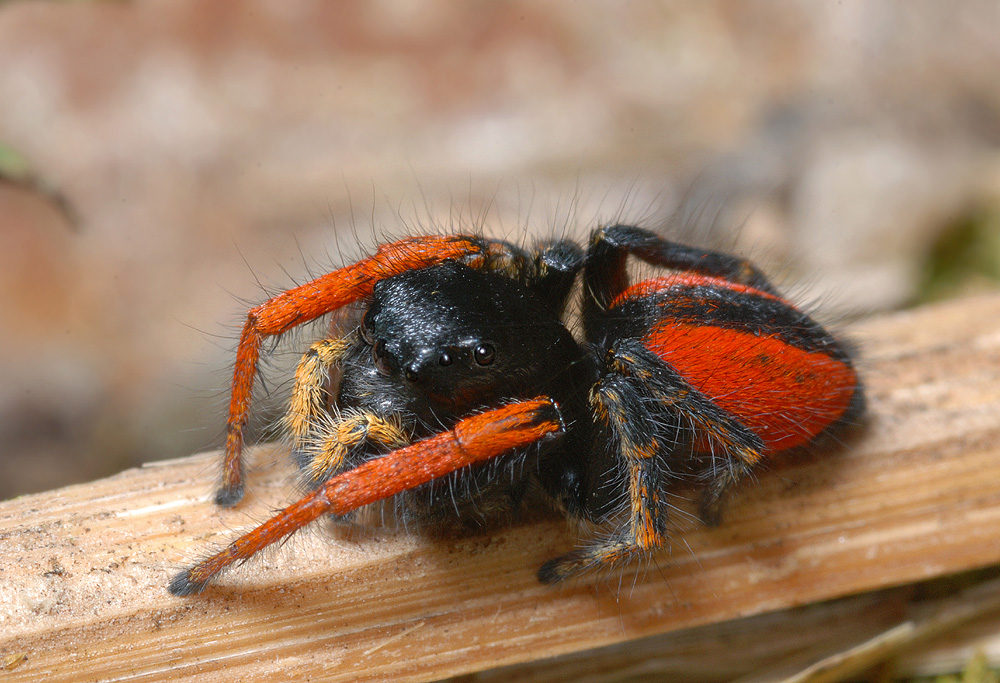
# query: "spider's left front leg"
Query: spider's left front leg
651,413
475,439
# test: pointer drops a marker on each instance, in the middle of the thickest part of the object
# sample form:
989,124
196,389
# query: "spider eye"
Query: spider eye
365,330
381,357
484,354
445,358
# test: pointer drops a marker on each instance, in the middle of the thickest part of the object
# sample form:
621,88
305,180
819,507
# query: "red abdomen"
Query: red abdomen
753,354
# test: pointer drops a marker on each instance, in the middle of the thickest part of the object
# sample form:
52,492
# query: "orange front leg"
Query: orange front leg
473,440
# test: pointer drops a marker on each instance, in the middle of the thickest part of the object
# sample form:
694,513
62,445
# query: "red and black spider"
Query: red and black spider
460,388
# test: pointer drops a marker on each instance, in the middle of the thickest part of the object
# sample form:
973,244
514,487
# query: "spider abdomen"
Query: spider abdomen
753,354
786,395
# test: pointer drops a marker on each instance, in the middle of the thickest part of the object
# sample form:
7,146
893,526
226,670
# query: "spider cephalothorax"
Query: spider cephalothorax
452,338
461,387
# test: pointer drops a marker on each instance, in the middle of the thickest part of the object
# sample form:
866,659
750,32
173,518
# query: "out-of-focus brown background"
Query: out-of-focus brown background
206,146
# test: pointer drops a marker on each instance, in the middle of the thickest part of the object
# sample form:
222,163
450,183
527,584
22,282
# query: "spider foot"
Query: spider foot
182,584
229,496
588,559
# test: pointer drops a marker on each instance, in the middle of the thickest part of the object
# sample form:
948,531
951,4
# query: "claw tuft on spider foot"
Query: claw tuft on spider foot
229,497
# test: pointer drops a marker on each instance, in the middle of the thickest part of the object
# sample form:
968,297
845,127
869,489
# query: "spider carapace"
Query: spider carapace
460,389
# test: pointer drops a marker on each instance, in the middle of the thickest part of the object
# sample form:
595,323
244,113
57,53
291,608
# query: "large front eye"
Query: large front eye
381,357
484,354
365,330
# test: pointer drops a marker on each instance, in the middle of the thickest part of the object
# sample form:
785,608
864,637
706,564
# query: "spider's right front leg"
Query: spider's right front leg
323,295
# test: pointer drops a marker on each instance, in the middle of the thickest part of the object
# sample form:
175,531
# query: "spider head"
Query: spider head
450,338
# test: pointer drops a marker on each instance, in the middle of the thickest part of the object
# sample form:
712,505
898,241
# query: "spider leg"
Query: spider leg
735,449
327,449
556,266
651,413
307,405
475,439
605,275
323,295
618,404
322,443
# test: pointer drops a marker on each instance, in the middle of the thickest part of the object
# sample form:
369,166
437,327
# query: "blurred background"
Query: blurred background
164,162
